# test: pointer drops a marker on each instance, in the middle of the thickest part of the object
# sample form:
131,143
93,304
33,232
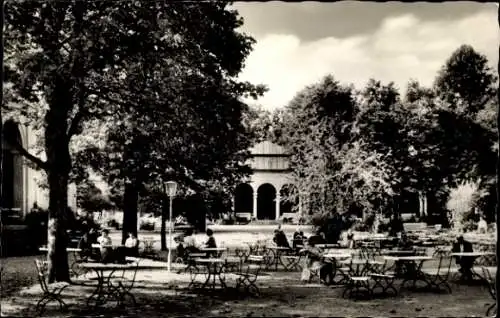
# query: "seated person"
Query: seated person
348,239
396,226
131,245
190,245
319,238
465,262
315,261
85,244
482,225
404,243
280,239
298,239
210,243
106,246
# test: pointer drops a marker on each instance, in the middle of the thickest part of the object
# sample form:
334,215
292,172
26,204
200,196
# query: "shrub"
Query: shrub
462,201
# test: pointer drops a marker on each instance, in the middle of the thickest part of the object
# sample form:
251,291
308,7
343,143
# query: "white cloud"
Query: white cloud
403,47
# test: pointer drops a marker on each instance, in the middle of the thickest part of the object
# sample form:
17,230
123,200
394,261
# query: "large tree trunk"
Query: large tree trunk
165,210
130,201
59,166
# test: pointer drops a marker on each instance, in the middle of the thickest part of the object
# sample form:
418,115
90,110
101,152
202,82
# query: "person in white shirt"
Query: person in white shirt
482,226
189,242
106,246
131,244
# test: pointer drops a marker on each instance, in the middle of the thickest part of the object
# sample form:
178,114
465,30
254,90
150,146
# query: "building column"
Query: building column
255,194
300,205
278,199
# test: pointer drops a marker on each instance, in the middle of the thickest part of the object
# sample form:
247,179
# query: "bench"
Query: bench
415,227
243,217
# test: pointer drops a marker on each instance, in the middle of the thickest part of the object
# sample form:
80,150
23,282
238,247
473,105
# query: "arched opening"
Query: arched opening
243,198
12,170
287,204
266,202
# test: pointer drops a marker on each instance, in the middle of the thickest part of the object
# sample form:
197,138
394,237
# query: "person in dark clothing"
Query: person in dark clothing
465,262
280,239
298,239
333,228
395,226
319,238
210,243
85,244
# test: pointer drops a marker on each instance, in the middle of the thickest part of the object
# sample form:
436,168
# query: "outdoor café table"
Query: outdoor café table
76,256
105,290
399,252
473,255
277,253
326,246
413,265
216,270
214,250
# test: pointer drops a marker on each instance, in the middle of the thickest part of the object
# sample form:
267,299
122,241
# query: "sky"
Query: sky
299,43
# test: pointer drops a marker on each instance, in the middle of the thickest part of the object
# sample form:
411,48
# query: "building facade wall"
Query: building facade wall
27,189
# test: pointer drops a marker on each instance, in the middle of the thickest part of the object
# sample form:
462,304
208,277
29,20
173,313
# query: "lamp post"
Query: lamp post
170,189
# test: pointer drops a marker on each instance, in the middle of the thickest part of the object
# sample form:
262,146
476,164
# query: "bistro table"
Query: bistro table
214,251
216,271
106,290
474,256
277,252
412,266
76,258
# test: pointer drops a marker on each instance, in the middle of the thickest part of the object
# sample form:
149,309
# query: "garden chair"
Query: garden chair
249,273
358,281
51,292
291,260
437,278
490,283
123,284
384,278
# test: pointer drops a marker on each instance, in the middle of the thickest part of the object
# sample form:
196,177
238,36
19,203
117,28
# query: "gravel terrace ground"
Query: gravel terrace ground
160,294
282,294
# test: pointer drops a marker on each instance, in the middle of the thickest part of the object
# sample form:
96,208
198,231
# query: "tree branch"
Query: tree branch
75,124
39,163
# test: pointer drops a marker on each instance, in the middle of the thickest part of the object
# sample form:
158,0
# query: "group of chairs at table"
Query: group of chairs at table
368,268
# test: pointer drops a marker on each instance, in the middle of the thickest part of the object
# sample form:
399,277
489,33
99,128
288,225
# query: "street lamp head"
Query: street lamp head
171,188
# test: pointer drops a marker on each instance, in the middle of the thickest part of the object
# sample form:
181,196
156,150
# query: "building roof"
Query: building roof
267,148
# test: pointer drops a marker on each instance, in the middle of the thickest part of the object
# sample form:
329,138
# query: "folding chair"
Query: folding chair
490,283
384,279
51,292
436,278
358,279
250,272
123,285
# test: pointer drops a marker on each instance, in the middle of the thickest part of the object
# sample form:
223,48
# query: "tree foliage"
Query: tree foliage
71,62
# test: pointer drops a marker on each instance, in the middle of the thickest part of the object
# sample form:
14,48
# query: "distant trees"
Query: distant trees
377,144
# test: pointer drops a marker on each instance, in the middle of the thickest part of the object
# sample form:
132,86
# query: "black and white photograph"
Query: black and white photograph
249,159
